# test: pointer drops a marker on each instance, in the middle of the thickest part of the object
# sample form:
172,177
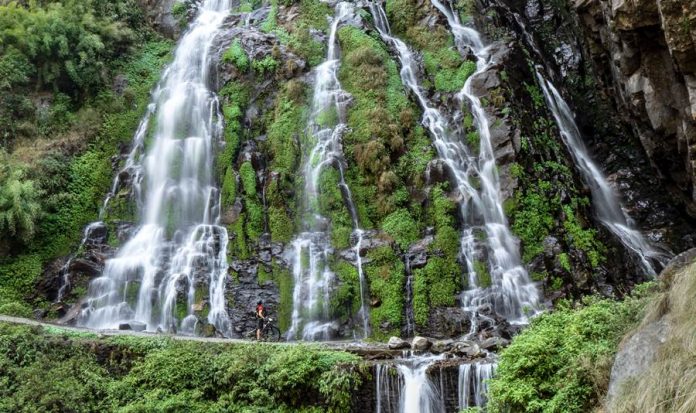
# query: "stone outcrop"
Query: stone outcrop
159,12
635,355
650,47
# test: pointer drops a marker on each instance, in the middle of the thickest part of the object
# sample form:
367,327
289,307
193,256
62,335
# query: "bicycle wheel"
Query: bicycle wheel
272,334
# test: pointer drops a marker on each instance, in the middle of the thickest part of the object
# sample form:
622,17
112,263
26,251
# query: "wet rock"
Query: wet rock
396,343
96,233
441,346
91,266
417,255
159,12
420,343
437,172
446,322
467,349
244,290
133,326
494,344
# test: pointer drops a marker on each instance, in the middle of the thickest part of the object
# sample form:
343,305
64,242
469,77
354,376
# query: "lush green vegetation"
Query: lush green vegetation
76,79
562,361
445,69
51,371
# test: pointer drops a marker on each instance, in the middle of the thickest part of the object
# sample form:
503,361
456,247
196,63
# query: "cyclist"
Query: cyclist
260,316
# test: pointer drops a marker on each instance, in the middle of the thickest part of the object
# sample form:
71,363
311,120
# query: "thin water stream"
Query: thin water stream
606,203
312,249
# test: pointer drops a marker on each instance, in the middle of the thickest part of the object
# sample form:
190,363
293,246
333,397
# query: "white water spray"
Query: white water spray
473,383
405,386
179,235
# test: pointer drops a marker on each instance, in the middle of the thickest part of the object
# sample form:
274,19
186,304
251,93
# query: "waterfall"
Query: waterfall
608,208
606,204
410,320
311,250
178,240
511,293
472,384
388,386
410,385
406,387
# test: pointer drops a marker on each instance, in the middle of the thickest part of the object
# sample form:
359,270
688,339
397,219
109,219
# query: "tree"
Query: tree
20,206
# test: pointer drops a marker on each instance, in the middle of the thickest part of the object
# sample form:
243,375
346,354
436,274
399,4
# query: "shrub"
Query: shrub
562,361
237,56
401,226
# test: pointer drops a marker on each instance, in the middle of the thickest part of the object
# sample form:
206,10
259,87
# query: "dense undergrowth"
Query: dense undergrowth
77,76
55,371
562,361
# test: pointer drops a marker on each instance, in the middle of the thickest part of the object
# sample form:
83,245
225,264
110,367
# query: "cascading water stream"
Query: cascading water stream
405,387
472,384
415,384
178,240
511,293
606,204
314,280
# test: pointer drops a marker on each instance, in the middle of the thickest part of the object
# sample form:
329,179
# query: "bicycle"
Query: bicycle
269,332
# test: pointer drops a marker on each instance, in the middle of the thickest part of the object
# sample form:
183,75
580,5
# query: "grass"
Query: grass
667,385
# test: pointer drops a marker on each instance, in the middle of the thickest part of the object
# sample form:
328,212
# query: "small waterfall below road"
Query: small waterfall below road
512,294
405,387
312,250
606,203
178,240
417,384
472,384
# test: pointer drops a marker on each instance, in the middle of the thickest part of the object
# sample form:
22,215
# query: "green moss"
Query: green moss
266,65
345,302
584,239
262,275
285,128
401,226
237,56
482,273
280,224
229,187
248,178
421,307
383,130
447,68
255,223
564,260
385,274
284,280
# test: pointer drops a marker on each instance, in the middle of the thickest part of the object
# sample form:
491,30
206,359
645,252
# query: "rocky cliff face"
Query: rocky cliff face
629,93
649,47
